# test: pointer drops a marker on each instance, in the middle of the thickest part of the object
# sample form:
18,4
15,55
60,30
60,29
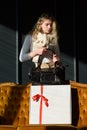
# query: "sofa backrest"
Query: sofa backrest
79,103
14,104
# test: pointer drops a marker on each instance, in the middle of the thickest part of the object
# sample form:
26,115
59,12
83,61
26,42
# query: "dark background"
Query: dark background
17,19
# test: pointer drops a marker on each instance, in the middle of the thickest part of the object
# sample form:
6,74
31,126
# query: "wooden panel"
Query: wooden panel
42,127
8,127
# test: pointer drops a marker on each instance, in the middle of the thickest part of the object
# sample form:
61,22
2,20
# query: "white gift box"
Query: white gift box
50,104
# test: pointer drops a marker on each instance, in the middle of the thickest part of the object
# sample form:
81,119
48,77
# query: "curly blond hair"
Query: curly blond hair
53,36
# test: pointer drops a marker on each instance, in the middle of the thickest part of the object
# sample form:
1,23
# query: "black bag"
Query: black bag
54,75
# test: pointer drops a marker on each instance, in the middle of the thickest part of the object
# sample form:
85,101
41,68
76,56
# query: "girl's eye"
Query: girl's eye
46,24
49,25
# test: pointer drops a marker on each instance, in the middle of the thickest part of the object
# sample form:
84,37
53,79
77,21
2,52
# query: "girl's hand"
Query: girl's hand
37,52
41,50
55,58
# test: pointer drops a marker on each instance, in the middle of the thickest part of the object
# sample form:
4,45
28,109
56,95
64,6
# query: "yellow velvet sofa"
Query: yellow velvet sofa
14,108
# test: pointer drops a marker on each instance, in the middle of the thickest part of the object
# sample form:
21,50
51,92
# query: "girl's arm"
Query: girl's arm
25,50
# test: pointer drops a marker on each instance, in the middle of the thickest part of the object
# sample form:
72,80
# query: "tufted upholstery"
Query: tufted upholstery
79,102
14,108
14,104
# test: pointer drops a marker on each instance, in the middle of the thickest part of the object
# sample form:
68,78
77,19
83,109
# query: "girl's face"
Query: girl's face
46,26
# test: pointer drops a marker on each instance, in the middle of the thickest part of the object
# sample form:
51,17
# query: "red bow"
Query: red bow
37,97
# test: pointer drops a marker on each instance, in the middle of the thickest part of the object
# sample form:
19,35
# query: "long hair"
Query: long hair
53,35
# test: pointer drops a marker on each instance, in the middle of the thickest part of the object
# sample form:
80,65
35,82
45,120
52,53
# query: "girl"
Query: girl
43,36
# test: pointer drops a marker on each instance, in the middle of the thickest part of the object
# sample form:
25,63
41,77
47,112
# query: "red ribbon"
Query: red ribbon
43,98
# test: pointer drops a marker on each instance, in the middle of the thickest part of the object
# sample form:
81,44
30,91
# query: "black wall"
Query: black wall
18,17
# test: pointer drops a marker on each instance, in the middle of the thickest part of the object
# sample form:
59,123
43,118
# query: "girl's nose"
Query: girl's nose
49,26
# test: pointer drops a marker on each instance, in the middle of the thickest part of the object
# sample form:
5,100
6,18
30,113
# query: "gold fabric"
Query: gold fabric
14,106
79,103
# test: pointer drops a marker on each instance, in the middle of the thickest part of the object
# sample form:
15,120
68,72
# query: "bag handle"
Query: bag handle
57,63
